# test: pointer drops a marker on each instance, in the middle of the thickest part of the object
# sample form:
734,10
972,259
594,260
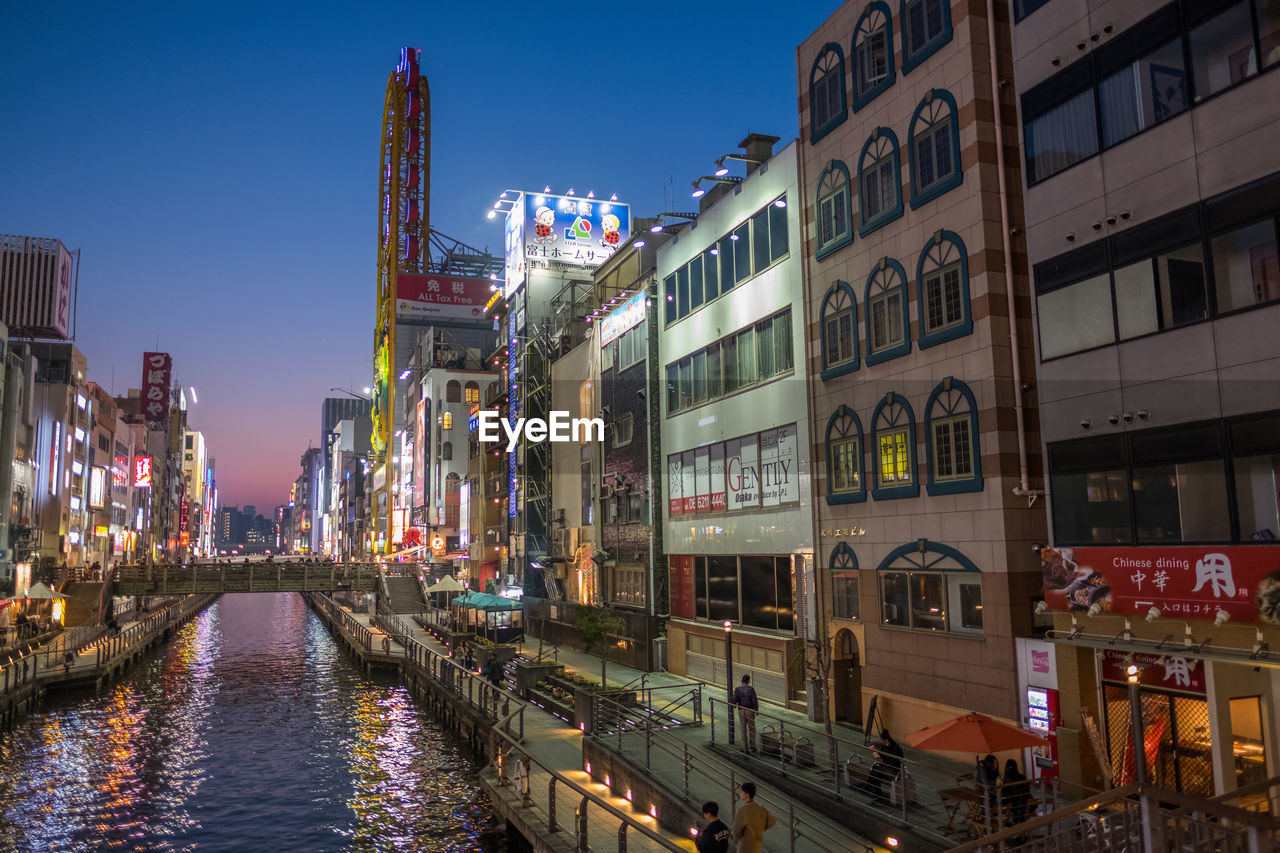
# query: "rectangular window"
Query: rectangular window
1258,496
682,287
879,195
1145,93
1268,12
886,320
873,59
896,606
623,429
1136,299
695,283
1022,8
725,256
741,238
964,603
924,22
1075,318
760,241
745,342
669,292
700,589
777,230
710,274
1182,286
1222,52
722,589
943,302
846,475
1091,507
895,457
713,372
686,382
783,357
784,586
1182,502
844,595
1245,270
731,383
833,222
826,97
933,154
952,449
673,388
699,377
1062,137
764,349
839,338
587,497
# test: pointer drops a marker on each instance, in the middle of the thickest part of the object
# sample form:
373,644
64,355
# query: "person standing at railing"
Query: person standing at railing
714,837
1015,793
751,822
744,696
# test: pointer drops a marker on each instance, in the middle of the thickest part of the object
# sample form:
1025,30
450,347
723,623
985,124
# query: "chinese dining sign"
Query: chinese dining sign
1171,671
1181,581
157,368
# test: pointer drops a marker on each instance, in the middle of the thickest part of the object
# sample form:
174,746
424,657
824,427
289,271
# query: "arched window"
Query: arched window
934,147
839,331
879,181
827,107
453,391
845,481
490,391
472,392
932,587
872,54
452,483
885,307
833,212
844,582
926,26
951,435
446,420
893,448
942,288
446,450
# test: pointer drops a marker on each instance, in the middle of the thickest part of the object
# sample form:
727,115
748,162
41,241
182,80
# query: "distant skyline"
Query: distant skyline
217,166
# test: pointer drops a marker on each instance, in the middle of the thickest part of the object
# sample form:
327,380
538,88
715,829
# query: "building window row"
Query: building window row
1203,261
1174,59
1206,482
750,590
952,453
942,288
757,354
746,251
925,27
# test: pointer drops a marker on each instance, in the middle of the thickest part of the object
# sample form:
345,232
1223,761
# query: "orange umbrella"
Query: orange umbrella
973,733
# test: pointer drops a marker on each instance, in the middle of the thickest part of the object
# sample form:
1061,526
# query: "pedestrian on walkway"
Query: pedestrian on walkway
714,837
751,822
493,670
887,766
744,696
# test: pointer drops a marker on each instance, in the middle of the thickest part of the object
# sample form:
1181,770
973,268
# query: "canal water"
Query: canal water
252,731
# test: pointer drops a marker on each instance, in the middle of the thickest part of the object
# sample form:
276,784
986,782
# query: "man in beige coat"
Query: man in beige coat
751,821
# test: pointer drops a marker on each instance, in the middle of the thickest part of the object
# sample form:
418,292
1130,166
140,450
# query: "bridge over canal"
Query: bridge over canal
202,578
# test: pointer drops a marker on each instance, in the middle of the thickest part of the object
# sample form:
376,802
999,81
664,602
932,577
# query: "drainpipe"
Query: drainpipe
1023,489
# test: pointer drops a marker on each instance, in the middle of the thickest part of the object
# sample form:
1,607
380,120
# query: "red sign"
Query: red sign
682,591
1181,581
120,471
1172,671
157,368
142,472
441,296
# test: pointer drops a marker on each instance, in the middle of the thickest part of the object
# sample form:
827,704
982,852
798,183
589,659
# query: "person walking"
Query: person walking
494,670
744,696
714,837
751,822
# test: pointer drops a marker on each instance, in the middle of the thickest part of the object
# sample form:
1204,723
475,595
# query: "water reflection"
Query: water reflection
250,731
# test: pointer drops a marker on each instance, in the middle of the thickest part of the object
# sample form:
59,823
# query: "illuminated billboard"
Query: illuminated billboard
627,316
157,369
142,472
97,487
441,296
558,231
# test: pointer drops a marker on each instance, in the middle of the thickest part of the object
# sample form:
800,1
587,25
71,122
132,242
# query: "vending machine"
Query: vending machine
1042,717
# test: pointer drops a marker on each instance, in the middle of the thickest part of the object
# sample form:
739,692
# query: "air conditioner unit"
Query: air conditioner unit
570,541
605,491
557,543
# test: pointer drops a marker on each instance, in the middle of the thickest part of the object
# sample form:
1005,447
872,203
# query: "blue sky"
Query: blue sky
217,165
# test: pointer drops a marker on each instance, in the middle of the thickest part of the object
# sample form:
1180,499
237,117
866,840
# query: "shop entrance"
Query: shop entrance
846,678
1178,742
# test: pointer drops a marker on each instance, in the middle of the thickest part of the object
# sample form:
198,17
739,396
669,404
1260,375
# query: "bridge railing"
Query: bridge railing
489,700
356,628
176,579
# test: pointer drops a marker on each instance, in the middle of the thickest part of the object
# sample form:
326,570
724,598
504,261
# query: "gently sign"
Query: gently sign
560,428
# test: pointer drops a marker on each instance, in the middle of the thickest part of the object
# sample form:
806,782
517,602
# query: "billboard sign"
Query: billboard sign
558,231
513,243
441,297
97,487
65,275
420,439
627,316
142,472
758,470
157,369
1180,581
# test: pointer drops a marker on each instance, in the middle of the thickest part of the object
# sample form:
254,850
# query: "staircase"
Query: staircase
403,594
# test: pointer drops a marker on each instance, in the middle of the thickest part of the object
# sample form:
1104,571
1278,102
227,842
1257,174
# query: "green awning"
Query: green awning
486,601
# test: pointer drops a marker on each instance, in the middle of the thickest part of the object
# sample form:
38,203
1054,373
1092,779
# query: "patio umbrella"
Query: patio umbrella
42,590
448,583
973,733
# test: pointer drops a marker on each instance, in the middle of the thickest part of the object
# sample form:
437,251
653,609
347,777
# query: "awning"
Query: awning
448,583
42,590
485,601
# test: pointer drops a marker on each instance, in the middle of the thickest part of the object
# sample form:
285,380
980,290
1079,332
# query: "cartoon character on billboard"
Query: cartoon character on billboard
544,222
610,223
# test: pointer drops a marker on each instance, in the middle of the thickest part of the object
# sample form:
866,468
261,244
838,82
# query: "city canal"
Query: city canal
251,730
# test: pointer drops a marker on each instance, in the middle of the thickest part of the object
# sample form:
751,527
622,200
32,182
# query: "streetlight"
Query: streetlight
1134,674
728,660
354,394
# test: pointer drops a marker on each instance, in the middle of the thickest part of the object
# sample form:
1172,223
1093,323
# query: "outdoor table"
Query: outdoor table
953,799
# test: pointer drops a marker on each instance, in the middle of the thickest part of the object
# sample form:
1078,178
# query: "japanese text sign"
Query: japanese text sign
142,472
442,296
157,368
572,231
1181,581
1172,671
627,316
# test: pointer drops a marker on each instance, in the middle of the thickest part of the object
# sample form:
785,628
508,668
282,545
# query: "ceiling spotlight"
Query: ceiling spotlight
1221,617
492,214
547,188
504,194
733,236
570,192
655,227
782,202
613,197
497,204
591,193
1153,614
721,168
698,192
639,244
714,250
